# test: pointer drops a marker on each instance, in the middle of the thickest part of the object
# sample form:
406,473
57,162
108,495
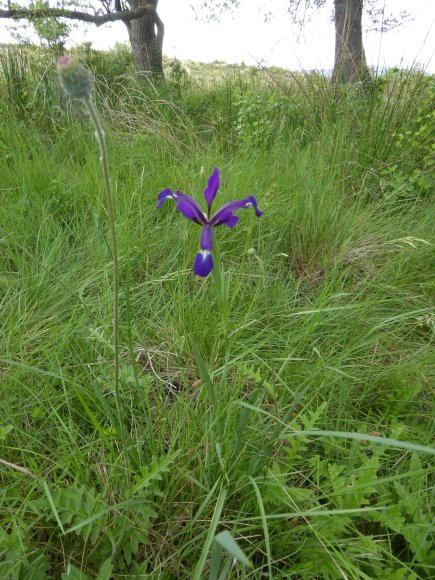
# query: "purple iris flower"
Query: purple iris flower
224,216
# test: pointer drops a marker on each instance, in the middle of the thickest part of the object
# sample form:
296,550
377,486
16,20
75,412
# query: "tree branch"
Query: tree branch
97,19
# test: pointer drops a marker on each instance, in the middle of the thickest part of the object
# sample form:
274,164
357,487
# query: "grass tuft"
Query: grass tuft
285,431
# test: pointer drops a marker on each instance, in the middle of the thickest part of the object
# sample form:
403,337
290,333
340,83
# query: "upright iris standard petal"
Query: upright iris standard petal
204,260
211,189
185,205
225,215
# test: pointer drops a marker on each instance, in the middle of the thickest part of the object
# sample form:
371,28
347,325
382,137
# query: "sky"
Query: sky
245,37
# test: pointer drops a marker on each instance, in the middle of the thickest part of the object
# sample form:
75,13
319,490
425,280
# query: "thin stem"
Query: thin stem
269,322
111,214
221,288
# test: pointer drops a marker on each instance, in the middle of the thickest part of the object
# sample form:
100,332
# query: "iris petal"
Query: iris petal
163,196
185,205
225,216
228,219
212,187
190,210
203,263
206,241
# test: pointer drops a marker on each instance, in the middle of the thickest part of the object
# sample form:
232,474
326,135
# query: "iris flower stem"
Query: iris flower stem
89,104
221,288
269,322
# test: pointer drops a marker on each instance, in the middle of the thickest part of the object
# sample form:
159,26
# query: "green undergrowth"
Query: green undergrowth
293,439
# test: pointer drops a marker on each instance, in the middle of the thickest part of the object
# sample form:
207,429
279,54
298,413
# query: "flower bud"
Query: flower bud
74,77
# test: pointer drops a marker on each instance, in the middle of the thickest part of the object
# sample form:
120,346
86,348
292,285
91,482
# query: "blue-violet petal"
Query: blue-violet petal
211,189
163,196
185,205
225,216
190,209
206,241
203,263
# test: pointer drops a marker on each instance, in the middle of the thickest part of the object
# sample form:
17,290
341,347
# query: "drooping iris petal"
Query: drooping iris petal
185,205
228,219
203,263
204,260
163,196
225,215
211,189
190,209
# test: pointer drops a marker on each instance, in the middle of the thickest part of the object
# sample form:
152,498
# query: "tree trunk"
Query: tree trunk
146,39
350,60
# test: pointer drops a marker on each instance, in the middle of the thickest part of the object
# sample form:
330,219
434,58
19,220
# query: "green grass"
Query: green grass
316,457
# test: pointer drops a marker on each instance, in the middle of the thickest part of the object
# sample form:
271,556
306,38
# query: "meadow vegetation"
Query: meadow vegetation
284,434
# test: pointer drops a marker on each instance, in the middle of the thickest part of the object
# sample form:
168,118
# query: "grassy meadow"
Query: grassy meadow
277,424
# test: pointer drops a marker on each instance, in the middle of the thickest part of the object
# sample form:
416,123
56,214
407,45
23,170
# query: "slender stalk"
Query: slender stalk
111,214
221,288
268,318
